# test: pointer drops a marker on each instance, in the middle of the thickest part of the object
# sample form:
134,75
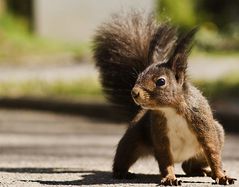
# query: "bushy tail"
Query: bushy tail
121,50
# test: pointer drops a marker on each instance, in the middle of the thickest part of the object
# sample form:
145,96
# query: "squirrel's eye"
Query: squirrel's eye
160,82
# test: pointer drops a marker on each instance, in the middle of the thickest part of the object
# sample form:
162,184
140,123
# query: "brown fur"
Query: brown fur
153,49
121,53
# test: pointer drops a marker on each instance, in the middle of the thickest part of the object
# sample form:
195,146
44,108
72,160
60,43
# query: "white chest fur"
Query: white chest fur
183,143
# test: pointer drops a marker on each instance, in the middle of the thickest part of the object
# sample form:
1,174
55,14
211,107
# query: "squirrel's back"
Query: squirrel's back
121,51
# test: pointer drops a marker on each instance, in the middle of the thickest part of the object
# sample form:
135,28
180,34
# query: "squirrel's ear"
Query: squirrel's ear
161,44
178,60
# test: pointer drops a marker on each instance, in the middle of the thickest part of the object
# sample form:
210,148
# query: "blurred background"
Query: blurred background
45,49
54,121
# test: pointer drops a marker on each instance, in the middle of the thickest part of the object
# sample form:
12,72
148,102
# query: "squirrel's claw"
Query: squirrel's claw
168,181
225,180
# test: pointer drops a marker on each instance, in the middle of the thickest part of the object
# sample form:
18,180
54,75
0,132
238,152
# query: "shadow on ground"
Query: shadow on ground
91,177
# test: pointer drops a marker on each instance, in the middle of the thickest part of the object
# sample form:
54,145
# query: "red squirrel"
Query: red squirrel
143,66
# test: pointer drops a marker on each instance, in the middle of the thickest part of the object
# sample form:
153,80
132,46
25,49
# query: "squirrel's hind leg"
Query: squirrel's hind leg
130,148
197,166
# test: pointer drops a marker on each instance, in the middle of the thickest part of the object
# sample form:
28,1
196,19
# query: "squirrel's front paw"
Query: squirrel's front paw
225,180
170,181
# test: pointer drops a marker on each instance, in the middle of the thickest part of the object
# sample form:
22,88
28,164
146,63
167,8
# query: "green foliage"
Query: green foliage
58,89
16,42
179,12
222,13
209,39
224,88
218,21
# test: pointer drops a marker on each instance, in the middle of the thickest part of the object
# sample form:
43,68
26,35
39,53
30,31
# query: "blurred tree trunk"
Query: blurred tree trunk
22,8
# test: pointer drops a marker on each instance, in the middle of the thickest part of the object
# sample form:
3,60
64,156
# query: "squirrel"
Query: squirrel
143,68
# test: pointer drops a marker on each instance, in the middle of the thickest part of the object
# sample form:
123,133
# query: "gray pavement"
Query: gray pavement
47,149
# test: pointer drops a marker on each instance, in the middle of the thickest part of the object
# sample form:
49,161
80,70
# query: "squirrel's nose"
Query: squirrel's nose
135,92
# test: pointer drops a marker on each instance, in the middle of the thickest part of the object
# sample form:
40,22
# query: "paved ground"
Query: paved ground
47,149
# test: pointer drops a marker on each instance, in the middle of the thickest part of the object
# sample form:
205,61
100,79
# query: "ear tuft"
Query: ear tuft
178,61
162,42
185,42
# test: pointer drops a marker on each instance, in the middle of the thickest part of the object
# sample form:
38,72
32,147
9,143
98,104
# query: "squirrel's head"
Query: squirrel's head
163,82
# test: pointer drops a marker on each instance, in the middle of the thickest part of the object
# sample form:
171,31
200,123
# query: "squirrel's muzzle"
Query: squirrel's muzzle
135,92
138,94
